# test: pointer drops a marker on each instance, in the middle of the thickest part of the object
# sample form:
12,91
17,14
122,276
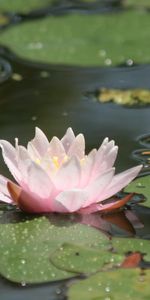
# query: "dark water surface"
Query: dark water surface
54,98
53,291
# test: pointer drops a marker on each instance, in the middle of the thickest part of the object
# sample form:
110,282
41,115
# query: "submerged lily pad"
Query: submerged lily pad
140,185
83,39
120,284
126,245
124,97
81,259
25,247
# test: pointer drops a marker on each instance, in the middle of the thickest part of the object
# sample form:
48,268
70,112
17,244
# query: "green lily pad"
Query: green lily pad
119,284
22,6
25,247
126,245
82,39
143,3
79,259
140,185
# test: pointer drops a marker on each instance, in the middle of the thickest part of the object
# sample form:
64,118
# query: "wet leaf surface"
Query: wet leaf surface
141,185
81,259
22,6
137,3
83,39
125,284
132,245
26,247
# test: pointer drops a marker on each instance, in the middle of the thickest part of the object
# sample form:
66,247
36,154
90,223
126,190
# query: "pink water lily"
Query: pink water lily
57,176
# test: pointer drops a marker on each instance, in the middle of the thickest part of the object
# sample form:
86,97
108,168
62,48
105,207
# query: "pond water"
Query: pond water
66,98
54,97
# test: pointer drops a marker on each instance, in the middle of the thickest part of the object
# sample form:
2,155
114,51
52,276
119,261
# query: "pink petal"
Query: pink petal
68,139
110,145
105,142
56,149
31,204
105,147
9,156
48,166
106,207
3,185
87,167
39,145
5,199
105,158
111,157
38,181
99,160
28,202
97,186
77,147
114,205
71,200
4,193
22,153
108,160
23,161
89,209
68,176
119,181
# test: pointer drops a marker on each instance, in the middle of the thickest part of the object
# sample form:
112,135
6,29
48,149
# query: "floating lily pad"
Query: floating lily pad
83,39
25,247
81,259
120,284
124,97
143,3
142,186
124,246
22,6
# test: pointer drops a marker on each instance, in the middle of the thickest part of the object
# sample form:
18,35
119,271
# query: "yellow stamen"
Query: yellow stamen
65,159
55,161
82,161
37,161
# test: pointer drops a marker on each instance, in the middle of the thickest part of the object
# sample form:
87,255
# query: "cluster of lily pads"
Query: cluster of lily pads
55,247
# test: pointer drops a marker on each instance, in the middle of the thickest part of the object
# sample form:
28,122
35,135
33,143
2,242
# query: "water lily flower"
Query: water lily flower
57,176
